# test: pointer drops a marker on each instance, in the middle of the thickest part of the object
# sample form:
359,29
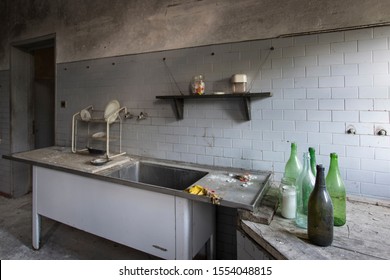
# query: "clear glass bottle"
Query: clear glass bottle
337,192
293,166
313,163
305,185
287,198
320,212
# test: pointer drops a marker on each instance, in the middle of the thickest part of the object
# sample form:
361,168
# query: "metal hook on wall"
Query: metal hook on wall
142,116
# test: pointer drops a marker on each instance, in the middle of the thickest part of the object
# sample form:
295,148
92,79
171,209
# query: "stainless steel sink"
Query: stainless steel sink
159,175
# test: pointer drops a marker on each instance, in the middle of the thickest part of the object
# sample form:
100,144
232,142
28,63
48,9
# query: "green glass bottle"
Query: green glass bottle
293,166
305,185
320,212
336,189
313,163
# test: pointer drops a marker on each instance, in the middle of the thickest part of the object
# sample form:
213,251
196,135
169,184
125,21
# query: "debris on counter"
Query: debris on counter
231,178
246,184
243,178
199,190
246,177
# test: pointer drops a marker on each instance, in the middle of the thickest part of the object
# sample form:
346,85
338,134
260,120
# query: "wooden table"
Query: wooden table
366,235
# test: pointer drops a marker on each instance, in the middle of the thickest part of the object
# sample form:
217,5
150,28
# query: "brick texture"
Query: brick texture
340,77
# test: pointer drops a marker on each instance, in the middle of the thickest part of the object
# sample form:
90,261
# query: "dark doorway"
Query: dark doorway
32,103
43,97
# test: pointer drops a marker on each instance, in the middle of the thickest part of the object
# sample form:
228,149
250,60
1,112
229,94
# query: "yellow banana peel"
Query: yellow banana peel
199,190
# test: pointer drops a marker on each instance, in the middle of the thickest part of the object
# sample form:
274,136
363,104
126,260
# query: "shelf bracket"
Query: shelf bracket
179,107
247,107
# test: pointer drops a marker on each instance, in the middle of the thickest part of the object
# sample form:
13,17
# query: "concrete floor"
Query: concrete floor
58,241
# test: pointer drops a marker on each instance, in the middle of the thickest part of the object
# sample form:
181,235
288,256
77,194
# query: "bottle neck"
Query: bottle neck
293,152
334,166
306,161
320,178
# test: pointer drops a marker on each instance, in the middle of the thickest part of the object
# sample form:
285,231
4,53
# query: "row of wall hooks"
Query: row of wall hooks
379,132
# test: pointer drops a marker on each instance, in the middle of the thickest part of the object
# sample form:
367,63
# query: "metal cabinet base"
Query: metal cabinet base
163,225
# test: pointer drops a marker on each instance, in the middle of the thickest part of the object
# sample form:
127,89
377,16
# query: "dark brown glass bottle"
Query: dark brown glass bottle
320,212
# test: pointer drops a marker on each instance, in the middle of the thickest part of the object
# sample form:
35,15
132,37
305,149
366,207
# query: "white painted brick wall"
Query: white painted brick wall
331,37
381,80
319,115
344,69
346,116
332,127
308,104
373,44
331,104
376,92
331,59
374,117
310,126
318,71
359,34
358,57
318,93
320,49
329,82
343,47
373,68
360,176
382,178
321,84
359,80
381,55
359,104
294,114
305,61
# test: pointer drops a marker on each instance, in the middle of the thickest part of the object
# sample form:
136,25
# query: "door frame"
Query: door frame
21,106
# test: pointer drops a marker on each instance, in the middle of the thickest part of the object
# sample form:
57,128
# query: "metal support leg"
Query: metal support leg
36,218
211,248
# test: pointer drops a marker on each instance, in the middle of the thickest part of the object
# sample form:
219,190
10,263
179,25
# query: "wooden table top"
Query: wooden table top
366,235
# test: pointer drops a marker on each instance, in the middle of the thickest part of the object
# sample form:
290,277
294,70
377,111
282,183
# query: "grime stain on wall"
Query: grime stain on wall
92,29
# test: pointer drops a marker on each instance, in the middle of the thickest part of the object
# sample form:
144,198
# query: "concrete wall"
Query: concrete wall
5,165
321,85
91,29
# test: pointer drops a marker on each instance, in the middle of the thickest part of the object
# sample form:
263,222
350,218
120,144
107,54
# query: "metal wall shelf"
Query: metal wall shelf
245,97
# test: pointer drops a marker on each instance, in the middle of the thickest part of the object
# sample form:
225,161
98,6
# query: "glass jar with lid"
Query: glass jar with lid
198,85
287,198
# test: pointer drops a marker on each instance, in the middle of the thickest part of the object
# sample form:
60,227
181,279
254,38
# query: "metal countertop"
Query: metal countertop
233,192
